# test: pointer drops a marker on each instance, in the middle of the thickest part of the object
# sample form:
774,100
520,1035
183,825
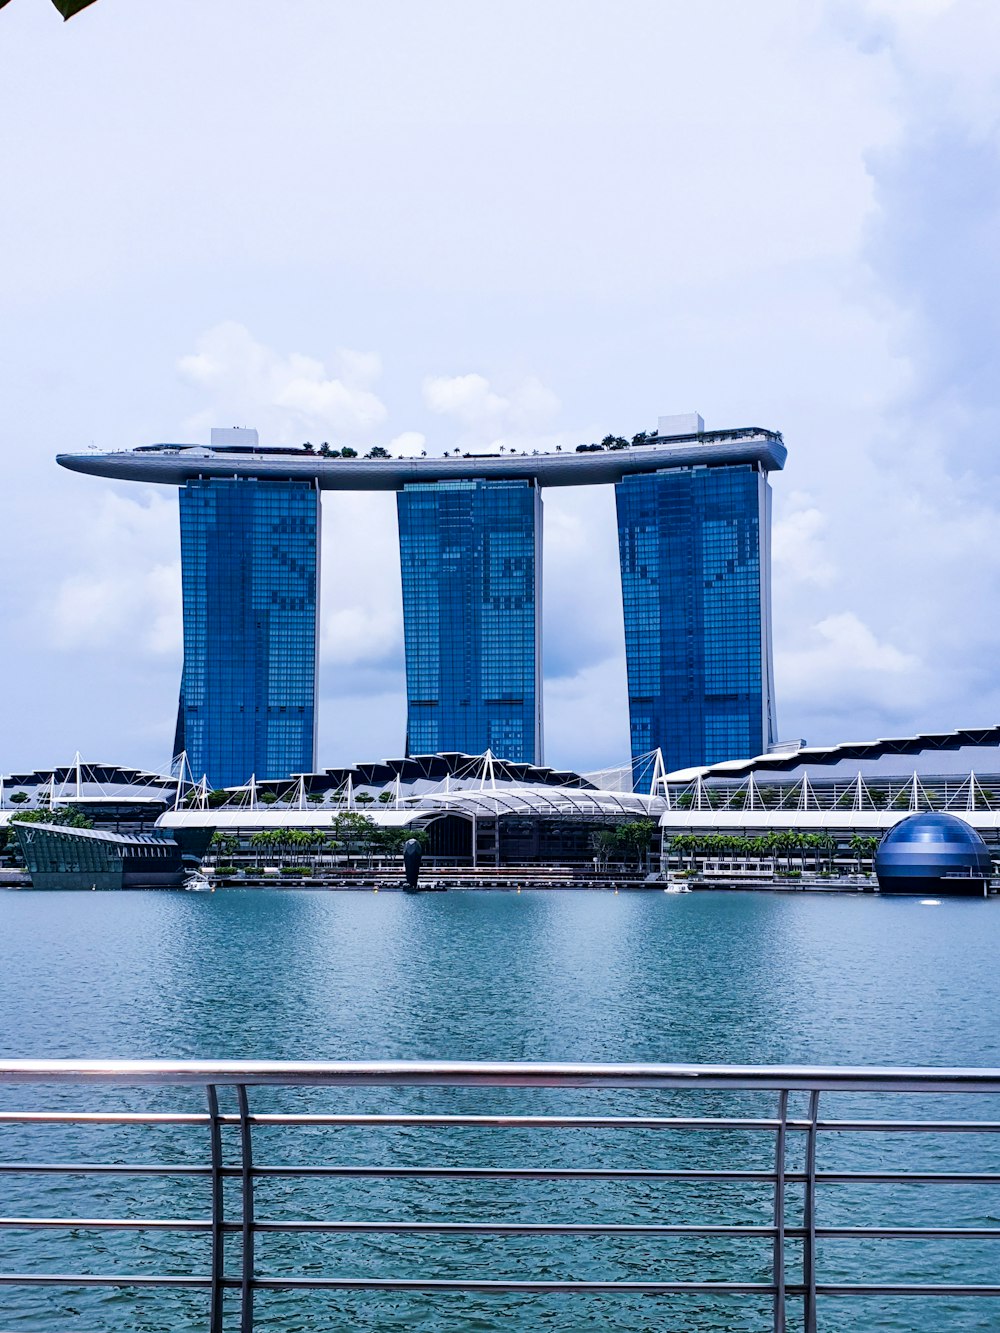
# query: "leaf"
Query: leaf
67,8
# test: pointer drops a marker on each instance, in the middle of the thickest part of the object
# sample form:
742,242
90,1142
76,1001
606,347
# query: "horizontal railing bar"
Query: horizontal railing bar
908,1233
501,1121
505,1173
104,1280
904,1289
496,1285
503,1285
910,1126
102,1118
105,1168
469,1073
907,1178
516,1121
382,1284
519,1228
503,1228
109,1223
513,1173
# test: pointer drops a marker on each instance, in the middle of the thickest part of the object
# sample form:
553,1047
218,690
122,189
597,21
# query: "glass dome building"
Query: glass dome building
934,854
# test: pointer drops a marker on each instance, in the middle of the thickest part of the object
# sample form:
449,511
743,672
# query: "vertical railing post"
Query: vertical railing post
246,1185
218,1214
809,1218
780,1146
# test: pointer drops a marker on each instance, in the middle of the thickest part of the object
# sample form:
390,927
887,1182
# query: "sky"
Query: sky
461,223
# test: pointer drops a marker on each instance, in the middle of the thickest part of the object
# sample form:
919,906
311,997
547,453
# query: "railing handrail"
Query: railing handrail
509,1074
230,1162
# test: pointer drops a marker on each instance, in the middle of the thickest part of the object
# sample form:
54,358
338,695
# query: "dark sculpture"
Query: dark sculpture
412,856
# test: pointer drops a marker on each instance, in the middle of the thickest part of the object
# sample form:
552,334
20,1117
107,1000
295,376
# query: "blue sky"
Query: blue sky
524,223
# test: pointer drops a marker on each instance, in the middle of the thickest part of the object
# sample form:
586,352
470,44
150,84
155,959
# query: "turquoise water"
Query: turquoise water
739,978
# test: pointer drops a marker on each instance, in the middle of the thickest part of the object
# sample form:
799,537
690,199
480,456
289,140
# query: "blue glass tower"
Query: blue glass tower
249,564
694,544
470,554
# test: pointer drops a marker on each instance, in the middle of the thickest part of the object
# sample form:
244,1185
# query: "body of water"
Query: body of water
700,977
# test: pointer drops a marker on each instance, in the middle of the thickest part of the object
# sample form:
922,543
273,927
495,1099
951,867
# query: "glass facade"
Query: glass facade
470,556
249,559
694,545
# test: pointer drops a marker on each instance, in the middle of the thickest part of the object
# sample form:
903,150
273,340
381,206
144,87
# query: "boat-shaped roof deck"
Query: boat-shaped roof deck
175,464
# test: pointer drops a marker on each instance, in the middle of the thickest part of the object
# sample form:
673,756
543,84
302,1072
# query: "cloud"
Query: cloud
125,593
514,417
586,717
361,623
289,397
411,444
799,544
842,658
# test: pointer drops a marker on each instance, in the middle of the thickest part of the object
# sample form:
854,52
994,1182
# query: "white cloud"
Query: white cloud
411,444
586,717
361,613
289,397
467,398
841,655
124,594
799,546
515,417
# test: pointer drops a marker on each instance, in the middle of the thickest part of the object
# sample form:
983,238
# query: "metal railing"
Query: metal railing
789,1172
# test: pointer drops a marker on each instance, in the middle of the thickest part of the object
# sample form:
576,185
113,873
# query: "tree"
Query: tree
66,817
324,449
224,844
365,798
19,798
348,452
638,835
385,797
377,451
308,447
354,830
604,843
67,8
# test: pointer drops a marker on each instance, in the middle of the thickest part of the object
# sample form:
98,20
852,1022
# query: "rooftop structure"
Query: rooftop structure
176,464
117,798
850,793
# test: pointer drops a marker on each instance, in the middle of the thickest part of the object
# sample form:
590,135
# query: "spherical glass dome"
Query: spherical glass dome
932,853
